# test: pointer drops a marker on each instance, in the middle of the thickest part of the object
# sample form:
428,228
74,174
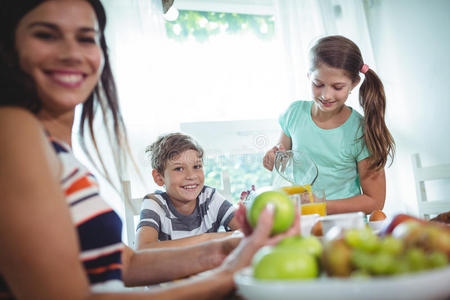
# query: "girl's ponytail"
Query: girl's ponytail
377,137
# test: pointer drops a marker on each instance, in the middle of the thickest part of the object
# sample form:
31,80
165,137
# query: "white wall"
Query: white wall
411,43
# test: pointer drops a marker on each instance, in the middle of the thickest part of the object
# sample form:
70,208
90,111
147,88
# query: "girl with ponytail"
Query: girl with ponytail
350,150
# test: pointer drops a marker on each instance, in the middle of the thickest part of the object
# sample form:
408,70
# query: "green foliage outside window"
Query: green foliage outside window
200,25
245,170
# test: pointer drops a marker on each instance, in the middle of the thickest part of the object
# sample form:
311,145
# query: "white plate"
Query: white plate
434,284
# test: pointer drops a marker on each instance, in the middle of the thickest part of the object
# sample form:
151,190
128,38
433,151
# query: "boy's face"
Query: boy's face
184,177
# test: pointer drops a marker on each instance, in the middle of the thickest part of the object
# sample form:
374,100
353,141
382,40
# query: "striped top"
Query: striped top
211,212
99,227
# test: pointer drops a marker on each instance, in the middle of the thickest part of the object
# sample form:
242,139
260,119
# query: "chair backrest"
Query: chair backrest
428,207
132,209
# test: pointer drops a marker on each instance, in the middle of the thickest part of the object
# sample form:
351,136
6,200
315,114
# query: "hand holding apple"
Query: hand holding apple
284,210
257,237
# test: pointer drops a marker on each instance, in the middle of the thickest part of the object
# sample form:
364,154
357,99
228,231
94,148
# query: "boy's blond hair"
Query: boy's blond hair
169,146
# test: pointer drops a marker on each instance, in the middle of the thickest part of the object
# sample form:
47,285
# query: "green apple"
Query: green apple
309,244
285,263
284,212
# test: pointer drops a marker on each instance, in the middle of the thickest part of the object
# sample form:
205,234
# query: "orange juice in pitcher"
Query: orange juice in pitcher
296,189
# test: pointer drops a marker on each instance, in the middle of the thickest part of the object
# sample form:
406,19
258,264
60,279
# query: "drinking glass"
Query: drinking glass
313,202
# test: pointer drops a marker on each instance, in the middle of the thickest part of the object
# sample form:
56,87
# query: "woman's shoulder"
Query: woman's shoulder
24,141
19,124
16,114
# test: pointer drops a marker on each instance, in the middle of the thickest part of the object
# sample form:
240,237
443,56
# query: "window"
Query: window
230,81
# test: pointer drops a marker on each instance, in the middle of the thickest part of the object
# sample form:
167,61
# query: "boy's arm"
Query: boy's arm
234,224
147,238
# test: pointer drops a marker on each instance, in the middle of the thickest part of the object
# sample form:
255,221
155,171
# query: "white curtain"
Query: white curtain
136,37
135,34
301,22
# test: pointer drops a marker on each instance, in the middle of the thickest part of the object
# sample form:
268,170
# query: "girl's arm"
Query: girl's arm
285,143
147,238
373,184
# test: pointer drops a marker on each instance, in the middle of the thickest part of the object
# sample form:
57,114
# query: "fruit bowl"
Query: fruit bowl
431,284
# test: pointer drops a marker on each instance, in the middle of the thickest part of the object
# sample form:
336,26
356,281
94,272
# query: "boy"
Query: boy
188,212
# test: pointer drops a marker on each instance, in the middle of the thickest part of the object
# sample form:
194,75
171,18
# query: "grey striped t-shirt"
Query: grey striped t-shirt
211,211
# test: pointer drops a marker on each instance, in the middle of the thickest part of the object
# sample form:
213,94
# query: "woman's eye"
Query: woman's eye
317,84
89,40
45,35
338,88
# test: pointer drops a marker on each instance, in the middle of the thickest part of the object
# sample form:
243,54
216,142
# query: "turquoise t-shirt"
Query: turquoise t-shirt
335,151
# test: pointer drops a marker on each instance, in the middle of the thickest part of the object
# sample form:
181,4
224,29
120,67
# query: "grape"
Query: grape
391,245
401,266
437,260
363,239
417,259
352,237
361,260
382,264
360,274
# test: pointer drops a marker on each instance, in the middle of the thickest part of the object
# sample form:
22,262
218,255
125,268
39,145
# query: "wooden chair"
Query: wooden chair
132,209
428,207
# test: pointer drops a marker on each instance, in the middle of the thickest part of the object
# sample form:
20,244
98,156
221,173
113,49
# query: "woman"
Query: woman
59,238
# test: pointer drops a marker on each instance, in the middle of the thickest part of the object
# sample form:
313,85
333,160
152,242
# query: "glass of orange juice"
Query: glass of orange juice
313,202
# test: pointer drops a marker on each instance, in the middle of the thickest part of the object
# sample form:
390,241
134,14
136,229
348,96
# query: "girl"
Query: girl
59,239
350,150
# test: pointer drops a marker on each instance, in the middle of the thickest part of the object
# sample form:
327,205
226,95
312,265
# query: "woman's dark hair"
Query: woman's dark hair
341,53
18,89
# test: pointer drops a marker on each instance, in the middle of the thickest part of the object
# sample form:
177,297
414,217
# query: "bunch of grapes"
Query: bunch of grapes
371,255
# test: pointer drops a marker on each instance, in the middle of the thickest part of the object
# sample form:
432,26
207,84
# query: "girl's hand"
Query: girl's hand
269,157
256,238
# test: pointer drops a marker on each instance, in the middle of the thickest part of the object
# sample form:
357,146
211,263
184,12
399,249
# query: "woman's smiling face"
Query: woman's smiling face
61,52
